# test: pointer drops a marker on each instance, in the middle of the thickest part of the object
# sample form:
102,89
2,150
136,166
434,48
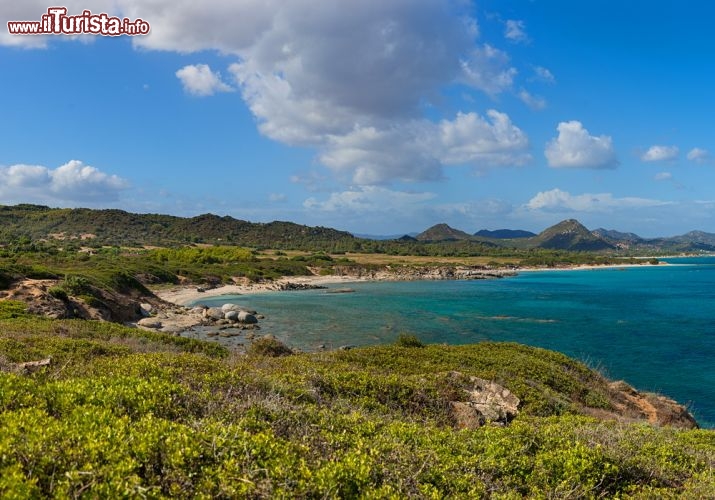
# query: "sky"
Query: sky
372,116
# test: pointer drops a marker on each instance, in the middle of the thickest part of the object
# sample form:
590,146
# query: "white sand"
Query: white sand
187,295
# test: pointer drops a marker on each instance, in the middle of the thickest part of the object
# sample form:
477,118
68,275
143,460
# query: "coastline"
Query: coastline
187,295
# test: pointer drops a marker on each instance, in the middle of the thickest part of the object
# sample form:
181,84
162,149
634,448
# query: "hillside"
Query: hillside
117,227
442,232
693,241
94,409
95,228
570,235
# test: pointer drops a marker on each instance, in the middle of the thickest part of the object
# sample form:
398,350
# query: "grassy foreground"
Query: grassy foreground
125,413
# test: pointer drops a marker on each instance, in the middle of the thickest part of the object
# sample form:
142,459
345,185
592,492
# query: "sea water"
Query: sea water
653,326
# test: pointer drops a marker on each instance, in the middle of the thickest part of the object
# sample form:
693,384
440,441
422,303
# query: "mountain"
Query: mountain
571,235
613,235
442,232
504,234
694,241
696,238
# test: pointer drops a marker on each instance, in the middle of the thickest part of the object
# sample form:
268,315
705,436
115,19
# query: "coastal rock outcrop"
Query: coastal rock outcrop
487,402
412,273
654,408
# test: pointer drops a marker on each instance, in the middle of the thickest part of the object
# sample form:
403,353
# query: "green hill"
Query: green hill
117,227
570,235
442,232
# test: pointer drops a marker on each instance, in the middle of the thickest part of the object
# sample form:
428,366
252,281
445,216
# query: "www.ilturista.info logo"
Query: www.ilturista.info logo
57,22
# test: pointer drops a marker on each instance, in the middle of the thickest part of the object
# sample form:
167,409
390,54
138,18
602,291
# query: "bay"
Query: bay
651,326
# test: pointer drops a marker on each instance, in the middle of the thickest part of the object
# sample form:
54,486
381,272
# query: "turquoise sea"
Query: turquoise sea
651,326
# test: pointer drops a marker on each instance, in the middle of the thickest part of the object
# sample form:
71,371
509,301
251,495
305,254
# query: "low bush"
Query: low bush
269,346
408,340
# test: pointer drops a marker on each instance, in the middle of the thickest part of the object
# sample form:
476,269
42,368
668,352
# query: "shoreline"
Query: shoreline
187,295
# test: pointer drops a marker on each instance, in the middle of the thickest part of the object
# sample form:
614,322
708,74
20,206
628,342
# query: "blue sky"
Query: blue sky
370,116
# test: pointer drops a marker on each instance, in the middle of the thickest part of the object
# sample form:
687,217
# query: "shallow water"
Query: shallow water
652,326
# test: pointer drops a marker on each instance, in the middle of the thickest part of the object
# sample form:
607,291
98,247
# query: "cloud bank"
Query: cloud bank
73,182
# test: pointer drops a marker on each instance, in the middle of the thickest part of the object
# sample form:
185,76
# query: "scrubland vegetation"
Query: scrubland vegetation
121,412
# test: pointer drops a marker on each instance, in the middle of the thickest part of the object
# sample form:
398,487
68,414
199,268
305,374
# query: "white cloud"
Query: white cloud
699,155
534,102
488,70
71,182
198,79
418,151
369,199
474,140
542,74
660,153
515,31
557,200
576,148
277,197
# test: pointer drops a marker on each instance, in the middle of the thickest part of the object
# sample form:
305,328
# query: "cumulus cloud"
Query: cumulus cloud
557,200
72,182
515,31
534,102
418,150
198,79
576,148
699,155
660,153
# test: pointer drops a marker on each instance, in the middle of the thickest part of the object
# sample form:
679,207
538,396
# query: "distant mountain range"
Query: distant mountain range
573,236
117,227
504,234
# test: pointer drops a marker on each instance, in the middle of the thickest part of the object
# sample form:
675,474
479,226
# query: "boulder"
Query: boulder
146,309
231,315
246,317
149,323
214,313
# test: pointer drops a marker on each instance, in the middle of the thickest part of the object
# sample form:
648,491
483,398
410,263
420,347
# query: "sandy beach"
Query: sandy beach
186,295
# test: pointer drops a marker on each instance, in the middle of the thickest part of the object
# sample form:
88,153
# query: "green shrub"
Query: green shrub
13,309
58,292
408,340
269,346
76,285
